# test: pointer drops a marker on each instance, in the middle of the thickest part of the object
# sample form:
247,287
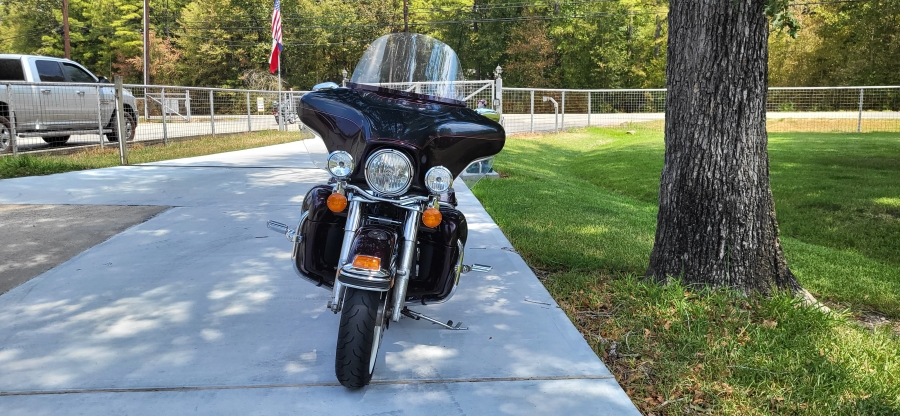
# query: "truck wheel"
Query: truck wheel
5,136
130,128
363,319
56,139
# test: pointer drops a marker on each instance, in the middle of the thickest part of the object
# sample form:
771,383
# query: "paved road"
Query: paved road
198,310
36,238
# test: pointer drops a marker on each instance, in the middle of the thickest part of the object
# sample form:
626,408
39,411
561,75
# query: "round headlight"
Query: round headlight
389,172
438,179
340,164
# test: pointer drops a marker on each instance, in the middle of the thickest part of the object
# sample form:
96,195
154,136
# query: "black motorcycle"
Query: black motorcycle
290,116
384,233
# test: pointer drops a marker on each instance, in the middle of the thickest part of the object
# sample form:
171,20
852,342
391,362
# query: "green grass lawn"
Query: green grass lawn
837,200
93,158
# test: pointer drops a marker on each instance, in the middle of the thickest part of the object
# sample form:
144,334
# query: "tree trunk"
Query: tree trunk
716,224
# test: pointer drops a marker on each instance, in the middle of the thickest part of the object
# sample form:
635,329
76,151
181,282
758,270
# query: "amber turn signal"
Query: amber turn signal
337,202
431,217
367,262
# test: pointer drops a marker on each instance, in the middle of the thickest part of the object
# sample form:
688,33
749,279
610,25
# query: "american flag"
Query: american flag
276,37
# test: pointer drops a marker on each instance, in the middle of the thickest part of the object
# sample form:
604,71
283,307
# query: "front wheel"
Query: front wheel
130,127
5,136
362,325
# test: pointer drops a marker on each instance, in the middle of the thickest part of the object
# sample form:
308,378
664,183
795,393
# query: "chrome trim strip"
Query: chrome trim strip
406,202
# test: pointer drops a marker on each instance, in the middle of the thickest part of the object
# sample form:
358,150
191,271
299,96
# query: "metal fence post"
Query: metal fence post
589,108
146,105
120,120
165,110
532,111
100,116
563,117
859,120
212,113
12,121
187,104
249,120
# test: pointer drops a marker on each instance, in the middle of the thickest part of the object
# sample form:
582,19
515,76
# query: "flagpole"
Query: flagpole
281,102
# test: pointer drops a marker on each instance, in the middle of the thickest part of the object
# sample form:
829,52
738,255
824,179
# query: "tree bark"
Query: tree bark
716,224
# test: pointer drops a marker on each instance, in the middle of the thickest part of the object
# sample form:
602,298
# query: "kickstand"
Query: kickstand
449,325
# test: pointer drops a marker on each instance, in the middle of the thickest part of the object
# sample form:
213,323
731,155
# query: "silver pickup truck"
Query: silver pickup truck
55,98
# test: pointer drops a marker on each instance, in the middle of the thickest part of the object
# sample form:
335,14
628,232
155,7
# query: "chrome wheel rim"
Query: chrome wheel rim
129,129
4,138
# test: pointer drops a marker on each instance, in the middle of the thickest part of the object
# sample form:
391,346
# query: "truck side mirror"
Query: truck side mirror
103,80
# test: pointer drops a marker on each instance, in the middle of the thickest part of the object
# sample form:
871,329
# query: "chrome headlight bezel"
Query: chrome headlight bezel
441,176
375,185
333,165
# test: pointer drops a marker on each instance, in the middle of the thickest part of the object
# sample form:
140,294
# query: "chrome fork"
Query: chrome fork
354,217
408,250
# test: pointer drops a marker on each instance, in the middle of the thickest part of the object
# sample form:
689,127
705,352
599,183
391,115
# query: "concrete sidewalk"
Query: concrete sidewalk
198,311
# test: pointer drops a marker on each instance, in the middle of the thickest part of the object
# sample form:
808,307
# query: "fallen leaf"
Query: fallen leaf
770,324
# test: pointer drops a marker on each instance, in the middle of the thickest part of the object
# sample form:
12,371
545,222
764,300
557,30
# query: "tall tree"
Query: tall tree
716,224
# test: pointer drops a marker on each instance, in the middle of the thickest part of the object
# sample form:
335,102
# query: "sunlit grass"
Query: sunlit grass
581,209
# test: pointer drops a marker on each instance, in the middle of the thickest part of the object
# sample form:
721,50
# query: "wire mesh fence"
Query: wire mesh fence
39,116
36,116
176,112
831,109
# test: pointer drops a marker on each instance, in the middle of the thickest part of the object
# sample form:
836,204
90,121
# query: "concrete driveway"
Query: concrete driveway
198,311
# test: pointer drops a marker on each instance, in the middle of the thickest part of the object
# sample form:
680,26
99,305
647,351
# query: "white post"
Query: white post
589,108
100,115
280,98
12,121
212,113
165,110
563,117
120,120
532,111
859,120
249,120
187,104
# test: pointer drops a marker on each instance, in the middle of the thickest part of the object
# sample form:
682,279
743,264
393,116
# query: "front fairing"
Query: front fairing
362,119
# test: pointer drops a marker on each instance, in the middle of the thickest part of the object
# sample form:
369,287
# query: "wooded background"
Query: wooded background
550,44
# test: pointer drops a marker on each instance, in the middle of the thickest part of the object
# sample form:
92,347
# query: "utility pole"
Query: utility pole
406,16
146,42
66,48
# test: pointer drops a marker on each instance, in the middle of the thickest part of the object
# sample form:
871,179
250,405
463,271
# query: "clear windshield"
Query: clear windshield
412,63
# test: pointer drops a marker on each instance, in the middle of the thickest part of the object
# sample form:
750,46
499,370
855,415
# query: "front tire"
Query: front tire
359,337
5,136
130,127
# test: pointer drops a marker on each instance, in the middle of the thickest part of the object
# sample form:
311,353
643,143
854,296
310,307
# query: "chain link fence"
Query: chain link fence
826,109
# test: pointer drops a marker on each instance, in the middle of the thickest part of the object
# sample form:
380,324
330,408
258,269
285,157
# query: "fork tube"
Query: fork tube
410,231
354,215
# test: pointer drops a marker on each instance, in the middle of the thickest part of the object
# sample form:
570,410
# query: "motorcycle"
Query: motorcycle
290,116
385,232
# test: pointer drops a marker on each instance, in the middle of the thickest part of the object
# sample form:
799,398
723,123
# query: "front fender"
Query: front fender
374,241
